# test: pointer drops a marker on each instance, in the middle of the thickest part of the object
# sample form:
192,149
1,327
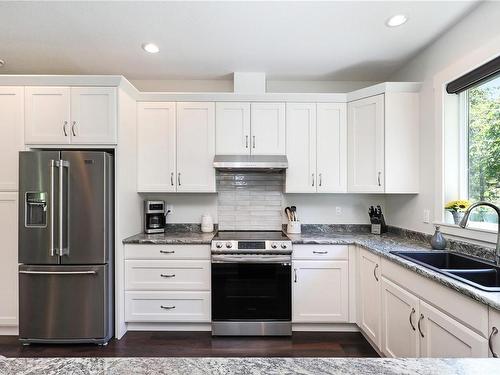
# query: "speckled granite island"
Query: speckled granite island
199,366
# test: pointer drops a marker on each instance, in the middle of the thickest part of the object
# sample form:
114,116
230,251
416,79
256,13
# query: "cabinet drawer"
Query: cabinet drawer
320,252
133,251
167,275
167,306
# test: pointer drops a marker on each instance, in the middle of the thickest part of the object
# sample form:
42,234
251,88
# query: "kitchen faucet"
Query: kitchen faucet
463,223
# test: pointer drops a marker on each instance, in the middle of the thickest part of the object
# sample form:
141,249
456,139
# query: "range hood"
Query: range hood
251,162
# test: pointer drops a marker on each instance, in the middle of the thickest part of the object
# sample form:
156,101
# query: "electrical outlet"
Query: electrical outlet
338,210
169,207
427,214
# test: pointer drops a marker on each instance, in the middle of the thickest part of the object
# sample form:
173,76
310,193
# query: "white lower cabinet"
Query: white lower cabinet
399,321
159,306
494,333
369,297
412,327
320,291
167,274
167,283
8,265
441,336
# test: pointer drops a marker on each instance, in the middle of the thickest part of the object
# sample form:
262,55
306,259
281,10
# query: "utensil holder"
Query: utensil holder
293,227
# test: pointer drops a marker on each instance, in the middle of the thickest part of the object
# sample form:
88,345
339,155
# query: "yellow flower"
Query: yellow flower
458,205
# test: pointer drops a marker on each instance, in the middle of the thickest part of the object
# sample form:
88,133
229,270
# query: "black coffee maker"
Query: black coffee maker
154,216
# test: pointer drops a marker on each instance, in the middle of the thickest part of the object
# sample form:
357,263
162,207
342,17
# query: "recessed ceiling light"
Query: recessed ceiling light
150,47
396,20
2,63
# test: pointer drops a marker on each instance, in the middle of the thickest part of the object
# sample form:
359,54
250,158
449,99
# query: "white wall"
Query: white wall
312,208
227,86
458,44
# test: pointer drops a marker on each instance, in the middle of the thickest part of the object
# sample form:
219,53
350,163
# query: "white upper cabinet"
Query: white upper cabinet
232,128
331,146
63,115
301,147
156,146
268,129
93,115
316,144
383,143
366,145
47,115
195,147
11,135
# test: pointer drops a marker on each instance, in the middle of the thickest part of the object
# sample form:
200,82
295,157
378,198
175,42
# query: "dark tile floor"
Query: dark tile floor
202,344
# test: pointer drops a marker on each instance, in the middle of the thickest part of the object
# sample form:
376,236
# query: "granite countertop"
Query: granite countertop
215,366
381,245
384,244
170,238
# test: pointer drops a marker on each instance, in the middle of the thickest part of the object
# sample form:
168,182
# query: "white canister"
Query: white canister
207,223
293,227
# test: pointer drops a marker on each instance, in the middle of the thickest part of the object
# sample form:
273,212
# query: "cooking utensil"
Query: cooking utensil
294,213
288,213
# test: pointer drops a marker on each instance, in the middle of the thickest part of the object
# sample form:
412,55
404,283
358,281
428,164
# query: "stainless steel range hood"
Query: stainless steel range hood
251,162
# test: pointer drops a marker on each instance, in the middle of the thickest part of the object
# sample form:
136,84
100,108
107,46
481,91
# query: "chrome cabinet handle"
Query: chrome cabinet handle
312,175
179,178
172,178
320,252
253,138
419,329
375,271
246,141
411,313
73,128
494,331
64,128
295,275
167,276
167,251
167,307
320,179
378,178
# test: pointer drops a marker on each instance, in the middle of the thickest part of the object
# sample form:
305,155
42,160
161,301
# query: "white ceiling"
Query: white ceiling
210,40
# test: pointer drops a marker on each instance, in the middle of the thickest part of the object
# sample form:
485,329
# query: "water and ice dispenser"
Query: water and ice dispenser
36,209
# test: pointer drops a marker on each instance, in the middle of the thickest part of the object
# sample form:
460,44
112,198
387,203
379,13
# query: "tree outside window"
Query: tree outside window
483,133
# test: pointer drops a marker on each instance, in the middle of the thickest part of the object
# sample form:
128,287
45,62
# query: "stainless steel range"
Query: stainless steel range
251,283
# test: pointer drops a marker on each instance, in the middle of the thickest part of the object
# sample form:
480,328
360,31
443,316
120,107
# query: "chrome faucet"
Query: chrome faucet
463,222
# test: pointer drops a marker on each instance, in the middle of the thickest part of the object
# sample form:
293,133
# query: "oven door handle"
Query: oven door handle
251,259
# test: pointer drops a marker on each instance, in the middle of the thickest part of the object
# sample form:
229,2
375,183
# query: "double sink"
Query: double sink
477,273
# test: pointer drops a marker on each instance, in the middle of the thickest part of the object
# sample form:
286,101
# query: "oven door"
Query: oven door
246,288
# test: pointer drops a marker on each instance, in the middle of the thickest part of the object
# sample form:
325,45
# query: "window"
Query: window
480,149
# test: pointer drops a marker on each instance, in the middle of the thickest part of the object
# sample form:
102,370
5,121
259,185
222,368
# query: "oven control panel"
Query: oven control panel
251,246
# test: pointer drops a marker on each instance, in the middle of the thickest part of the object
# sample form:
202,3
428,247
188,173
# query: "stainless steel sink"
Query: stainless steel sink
475,272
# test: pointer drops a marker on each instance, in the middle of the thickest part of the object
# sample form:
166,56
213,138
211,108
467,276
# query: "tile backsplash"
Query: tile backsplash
250,200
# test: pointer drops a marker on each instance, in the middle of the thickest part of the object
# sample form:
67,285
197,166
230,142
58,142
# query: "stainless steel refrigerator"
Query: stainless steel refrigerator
66,246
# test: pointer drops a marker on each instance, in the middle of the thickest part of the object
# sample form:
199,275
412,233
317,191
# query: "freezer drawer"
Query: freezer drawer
64,304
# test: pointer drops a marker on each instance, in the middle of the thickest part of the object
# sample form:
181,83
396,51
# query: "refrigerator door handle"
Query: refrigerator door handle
63,250
59,272
52,249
